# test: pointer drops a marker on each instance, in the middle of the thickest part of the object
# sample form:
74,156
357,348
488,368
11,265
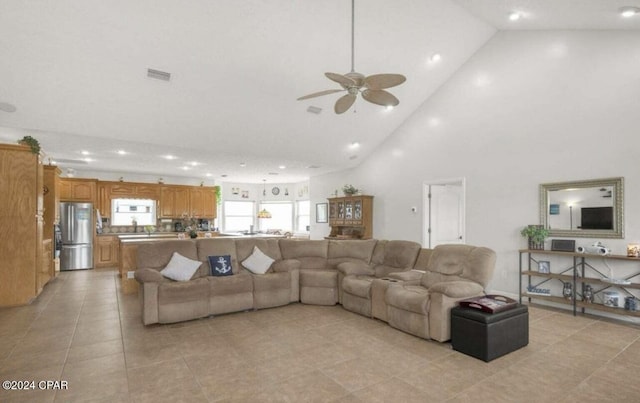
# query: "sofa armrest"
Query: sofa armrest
411,275
457,289
147,275
444,296
355,268
286,265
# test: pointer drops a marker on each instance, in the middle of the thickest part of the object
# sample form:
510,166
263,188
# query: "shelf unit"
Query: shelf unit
576,275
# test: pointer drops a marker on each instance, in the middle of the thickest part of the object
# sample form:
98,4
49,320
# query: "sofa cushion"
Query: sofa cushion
398,256
217,247
181,292
341,251
412,298
269,246
459,263
258,262
272,281
156,255
180,268
358,285
319,278
311,254
220,265
228,285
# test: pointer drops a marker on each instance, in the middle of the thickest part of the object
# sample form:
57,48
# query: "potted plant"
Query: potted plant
32,143
349,190
535,234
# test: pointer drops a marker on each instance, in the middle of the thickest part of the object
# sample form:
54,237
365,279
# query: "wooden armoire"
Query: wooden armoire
21,203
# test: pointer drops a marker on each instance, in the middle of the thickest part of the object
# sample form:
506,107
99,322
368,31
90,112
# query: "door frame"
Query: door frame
426,204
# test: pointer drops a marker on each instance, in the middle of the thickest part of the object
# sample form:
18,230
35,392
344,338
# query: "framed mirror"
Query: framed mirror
586,209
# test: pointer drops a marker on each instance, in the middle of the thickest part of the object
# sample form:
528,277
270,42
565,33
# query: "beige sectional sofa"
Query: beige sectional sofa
324,272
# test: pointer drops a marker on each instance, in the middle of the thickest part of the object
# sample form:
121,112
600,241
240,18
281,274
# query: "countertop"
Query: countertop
140,238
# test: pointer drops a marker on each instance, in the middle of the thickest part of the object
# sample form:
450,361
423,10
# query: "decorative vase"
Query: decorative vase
587,295
567,291
533,245
193,235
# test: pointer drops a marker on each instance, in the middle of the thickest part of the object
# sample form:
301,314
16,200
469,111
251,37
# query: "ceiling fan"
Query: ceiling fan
372,88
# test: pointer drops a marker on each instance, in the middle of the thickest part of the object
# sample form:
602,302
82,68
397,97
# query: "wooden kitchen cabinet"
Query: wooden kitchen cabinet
51,199
107,250
21,245
104,200
202,202
77,189
174,201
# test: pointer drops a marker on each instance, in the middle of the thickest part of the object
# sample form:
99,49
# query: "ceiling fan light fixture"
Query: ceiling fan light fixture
370,87
514,16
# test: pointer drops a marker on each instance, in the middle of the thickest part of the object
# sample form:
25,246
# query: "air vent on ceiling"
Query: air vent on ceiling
158,75
273,173
314,109
313,166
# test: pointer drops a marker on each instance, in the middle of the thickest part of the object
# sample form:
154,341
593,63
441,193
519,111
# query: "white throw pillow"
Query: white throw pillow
180,268
257,262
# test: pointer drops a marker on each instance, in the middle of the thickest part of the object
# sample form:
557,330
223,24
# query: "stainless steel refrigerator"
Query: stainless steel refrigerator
76,223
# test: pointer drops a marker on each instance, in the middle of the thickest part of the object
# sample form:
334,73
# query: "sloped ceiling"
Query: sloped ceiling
76,72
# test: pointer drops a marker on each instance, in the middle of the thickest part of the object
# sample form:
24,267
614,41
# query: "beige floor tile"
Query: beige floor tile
158,374
95,332
94,367
182,390
328,354
108,387
27,363
307,387
357,373
152,355
392,390
95,350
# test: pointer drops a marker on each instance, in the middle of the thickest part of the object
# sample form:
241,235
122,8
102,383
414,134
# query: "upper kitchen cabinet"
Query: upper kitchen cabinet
174,201
77,189
202,202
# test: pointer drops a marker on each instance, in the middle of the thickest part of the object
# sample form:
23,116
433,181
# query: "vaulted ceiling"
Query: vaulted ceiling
76,73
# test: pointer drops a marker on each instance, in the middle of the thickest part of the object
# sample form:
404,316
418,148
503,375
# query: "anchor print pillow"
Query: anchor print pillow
220,265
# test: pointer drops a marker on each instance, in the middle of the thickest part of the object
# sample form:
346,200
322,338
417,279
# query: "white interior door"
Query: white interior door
444,218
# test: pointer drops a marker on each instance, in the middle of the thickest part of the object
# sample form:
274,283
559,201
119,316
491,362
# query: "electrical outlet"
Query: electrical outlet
130,274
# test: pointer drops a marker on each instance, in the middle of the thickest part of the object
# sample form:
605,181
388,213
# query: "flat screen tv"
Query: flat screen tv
596,218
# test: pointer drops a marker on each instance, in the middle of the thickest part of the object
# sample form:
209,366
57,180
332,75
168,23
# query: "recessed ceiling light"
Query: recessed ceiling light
514,16
354,145
185,168
4,106
389,107
208,175
282,167
436,57
243,164
83,152
629,11
169,157
122,152
87,159
194,163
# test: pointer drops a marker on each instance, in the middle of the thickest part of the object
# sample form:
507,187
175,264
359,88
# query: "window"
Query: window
281,216
238,216
302,215
125,211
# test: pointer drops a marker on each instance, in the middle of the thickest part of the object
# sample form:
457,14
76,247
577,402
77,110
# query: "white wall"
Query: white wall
529,107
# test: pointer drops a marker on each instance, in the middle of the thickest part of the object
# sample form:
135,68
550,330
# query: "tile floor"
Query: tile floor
83,330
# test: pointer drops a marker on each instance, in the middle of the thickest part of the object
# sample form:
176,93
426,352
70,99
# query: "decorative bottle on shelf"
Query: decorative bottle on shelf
567,290
587,295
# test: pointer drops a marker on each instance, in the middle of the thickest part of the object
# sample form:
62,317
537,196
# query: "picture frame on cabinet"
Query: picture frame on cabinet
321,213
245,194
544,266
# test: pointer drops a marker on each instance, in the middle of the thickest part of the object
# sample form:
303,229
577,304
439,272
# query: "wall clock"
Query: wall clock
275,190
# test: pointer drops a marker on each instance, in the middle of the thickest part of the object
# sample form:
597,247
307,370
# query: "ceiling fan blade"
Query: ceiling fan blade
319,94
340,79
380,97
344,103
381,81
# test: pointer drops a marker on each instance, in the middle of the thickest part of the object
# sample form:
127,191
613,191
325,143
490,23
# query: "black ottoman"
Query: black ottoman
489,335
